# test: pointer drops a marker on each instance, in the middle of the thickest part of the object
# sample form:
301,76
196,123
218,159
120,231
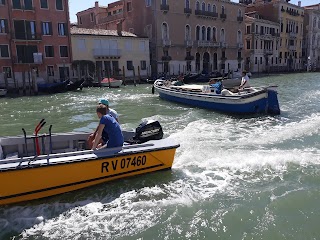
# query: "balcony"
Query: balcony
26,8
205,14
240,45
216,44
106,52
166,58
239,58
213,14
189,58
240,19
188,43
164,7
166,42
187,10
268,51
205,43
223,44
223,58
223,16
198,12
292,35
292,48
26,36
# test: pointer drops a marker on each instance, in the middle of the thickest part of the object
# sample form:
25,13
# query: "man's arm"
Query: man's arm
98,136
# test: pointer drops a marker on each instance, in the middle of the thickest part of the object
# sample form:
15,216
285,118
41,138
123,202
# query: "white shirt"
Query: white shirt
245,81
113,113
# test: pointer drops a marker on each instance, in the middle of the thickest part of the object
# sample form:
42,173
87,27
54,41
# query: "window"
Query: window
28,5
143,65
129,6
91,17
148,3
44,4
3,26
25,53
7,71
2,2
129,46
46,28
64,51
81,44
4,51
50,71
49,50
248,29
16,4
80,20
142,46
248,44
59,5
62,29
129,65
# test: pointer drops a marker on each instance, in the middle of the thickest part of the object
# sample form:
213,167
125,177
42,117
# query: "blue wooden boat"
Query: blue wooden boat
249,101
53,87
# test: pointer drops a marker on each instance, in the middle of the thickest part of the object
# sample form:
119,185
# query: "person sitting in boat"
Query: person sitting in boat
179,81
108,130
110,111
244,80
215,85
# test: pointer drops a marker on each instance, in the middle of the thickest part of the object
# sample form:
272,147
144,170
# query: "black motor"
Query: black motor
148,130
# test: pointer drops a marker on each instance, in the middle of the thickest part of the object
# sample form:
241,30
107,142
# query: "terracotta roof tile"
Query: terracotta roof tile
99,32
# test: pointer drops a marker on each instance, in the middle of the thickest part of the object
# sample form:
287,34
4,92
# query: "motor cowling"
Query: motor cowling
148,130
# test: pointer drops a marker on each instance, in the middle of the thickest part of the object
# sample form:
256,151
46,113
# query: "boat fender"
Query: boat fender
152,89
206,89
1,153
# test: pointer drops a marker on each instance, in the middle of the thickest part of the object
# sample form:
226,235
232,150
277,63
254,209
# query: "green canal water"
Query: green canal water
232,178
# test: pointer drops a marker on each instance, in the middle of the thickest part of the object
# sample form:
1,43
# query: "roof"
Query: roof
99,32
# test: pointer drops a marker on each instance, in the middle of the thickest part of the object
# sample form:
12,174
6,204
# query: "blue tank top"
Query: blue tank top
112,133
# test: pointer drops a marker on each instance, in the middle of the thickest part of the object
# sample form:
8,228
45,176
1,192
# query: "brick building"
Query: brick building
34,35
185,35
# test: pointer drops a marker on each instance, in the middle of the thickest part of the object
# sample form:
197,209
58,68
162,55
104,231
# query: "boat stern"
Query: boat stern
273,103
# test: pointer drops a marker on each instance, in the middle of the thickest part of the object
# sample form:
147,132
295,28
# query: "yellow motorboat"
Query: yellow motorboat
65,165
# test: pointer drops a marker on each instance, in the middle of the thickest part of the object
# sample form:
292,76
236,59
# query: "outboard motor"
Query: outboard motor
148,130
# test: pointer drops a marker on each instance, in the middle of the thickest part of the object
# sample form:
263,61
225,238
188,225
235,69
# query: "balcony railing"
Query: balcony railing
28,8
223,44
189,58
106,52
268,51
239,18
188,43
223,58
216,44
164,7
188,10
240,45
166,58
292,34
166,42
223,16
26,36
205,13
292,48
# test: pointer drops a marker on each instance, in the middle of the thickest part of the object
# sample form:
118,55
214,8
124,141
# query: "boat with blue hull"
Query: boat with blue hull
248,101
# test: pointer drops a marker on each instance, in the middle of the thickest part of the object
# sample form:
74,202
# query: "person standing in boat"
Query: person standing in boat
109,130
216,85
244,80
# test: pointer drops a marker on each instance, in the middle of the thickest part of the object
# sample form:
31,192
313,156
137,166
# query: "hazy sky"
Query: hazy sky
79,5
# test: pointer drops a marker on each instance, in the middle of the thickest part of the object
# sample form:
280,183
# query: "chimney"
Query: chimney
299,3
119,28
96,4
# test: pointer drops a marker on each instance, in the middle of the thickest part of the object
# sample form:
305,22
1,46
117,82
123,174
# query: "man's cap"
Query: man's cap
104,102
244,71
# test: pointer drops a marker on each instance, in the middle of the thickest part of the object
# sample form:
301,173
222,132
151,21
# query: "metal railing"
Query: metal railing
164,7
188,43
26,36
106,52
166,42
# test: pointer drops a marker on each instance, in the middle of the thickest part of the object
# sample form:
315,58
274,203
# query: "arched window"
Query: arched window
214,34
209,7
197,5
165,31
239,13
214,8
222,10
203,33
198,33
239,37
208,34
222,35
188,32
203,6
187,4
